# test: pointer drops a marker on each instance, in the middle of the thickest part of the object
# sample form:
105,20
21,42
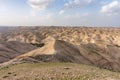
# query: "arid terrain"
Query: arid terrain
60,53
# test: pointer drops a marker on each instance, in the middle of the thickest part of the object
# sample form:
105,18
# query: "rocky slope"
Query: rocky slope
9,50
92,46
61,51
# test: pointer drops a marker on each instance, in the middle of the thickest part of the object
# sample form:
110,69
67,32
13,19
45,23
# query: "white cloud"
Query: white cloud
112,8
3,8
77,3
40,4
61,12
32,13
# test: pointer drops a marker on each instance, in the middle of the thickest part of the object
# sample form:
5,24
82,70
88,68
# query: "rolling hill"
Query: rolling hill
61,51
98,47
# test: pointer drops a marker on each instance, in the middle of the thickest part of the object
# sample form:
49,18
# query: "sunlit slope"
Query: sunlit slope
61,51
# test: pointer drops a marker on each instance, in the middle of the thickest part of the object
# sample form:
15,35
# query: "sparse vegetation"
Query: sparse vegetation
37,44
57,71
5,76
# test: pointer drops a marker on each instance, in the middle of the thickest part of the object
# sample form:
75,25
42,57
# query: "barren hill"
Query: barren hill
92,46
61,51
74,35
9,50
55,51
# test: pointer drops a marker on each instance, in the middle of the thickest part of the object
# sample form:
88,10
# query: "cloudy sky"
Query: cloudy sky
60,12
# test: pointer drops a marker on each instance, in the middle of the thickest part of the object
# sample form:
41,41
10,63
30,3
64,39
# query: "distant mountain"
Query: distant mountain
6,28
74,35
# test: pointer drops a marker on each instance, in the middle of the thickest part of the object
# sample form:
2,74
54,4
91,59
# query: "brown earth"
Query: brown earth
11,49
91,46
61,51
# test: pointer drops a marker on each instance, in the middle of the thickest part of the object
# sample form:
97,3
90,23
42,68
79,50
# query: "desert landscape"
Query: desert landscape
59,39
60,53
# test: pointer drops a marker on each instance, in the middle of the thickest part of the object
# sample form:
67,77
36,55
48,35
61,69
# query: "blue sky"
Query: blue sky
60,13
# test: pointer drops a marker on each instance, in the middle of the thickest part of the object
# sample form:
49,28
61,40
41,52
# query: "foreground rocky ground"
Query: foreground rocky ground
56,71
